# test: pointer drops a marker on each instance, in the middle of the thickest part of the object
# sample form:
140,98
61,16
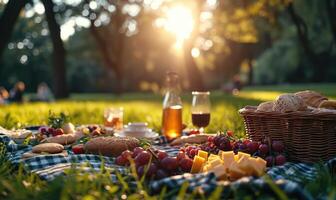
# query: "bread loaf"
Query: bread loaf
48,148
289,103
328,104
193,139
311,98
110,146
61,139
266,106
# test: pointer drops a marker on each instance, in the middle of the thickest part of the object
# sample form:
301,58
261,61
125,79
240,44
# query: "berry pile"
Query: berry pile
155,164
49,131
222,141
190,151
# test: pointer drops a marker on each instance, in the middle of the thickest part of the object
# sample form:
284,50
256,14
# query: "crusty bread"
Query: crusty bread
48,148
289,103
61,139
110,146
266,106
196,139
311,98
328,104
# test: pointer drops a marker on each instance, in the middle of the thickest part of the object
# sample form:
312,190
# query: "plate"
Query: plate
149,135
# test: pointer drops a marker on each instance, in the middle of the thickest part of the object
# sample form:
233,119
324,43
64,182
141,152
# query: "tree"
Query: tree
7,23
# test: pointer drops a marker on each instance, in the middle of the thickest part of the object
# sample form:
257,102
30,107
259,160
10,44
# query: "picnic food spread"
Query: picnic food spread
223,154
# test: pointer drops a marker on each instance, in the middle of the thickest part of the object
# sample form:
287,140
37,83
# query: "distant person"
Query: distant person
16,94
4,95
234,86
44,93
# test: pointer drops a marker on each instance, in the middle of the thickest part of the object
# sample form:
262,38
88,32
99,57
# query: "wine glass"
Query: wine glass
200,109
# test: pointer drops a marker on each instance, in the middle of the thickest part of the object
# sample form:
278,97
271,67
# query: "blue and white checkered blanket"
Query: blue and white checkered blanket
289,177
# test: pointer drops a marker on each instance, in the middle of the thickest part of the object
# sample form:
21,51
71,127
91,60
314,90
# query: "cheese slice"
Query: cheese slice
235,172
228,158
213,157
245,164
219,172
213,163
197,164
203,154
241,154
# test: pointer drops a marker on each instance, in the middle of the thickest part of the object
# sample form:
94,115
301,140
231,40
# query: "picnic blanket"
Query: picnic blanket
289,177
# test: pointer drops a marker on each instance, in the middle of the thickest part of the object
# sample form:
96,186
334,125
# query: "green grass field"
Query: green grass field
88,108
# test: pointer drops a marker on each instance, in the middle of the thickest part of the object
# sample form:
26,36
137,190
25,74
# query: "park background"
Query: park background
117,46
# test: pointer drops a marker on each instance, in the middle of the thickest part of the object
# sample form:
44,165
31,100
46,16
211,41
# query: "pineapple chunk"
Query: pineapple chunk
197,164
203,154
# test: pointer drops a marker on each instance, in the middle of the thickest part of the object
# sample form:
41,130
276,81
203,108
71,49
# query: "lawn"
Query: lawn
88,108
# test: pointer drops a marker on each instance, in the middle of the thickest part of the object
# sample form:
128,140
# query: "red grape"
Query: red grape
127,154
161,174
210,139
252,147
186,164
180,155
151,171
278,146
269,161
280,159
57,132
169,163
142,158
162,155
137,150
141,171
193,152
263,149
121,161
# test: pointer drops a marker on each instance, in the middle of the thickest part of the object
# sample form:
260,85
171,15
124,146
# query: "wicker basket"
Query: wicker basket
308,136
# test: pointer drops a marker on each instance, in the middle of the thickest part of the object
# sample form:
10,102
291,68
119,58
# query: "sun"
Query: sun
179,21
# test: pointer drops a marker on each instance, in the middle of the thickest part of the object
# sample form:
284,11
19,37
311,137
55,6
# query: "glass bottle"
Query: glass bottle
172,108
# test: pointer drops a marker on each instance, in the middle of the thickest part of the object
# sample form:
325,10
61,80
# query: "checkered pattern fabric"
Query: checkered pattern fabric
288,177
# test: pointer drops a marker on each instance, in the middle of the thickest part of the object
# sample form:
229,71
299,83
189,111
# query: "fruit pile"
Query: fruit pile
155,164
271,151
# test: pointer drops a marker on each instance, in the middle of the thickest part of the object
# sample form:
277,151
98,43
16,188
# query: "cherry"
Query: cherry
230,133
78,149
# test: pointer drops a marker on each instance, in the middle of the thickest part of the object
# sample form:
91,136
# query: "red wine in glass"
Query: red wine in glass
200,119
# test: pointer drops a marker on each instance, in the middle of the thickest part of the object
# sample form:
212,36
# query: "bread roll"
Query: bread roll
193,139
110,146
61,139
311,98
48,148
328,104
266,106
289,103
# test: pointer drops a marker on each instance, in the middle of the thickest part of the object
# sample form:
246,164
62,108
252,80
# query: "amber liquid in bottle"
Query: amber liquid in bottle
172,121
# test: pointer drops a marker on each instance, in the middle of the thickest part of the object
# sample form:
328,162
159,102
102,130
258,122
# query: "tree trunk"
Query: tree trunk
193,72
59,71
7,21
